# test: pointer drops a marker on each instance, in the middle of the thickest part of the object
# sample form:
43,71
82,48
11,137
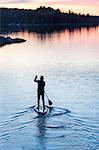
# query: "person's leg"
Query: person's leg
38,98
43,101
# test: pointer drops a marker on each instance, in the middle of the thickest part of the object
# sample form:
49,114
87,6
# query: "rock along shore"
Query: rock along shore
8,40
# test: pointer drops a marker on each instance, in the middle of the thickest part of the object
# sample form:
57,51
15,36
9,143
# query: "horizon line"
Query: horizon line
50,7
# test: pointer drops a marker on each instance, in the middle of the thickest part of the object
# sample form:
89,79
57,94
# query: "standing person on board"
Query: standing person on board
40,91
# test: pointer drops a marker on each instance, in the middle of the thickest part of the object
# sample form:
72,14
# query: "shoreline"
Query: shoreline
54,24
9,40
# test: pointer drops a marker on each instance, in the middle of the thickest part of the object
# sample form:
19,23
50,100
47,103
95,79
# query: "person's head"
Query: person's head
41,77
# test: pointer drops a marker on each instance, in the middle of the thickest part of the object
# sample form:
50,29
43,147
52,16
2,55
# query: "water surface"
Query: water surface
69,60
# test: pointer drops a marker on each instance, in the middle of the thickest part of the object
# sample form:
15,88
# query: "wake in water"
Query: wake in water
59,128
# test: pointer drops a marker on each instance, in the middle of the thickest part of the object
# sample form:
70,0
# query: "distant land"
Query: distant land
8,40
44,16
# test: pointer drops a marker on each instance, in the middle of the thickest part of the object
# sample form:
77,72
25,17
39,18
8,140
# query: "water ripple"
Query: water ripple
59,125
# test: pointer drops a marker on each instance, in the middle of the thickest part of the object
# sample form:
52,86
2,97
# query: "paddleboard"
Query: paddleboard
40,111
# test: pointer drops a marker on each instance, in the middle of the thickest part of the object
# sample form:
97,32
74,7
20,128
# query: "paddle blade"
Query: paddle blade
50,103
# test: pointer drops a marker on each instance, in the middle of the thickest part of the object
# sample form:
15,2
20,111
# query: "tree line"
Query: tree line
42,16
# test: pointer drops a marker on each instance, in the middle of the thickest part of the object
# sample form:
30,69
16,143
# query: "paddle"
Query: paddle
49,101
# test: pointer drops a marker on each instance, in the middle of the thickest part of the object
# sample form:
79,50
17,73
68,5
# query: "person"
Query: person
40,91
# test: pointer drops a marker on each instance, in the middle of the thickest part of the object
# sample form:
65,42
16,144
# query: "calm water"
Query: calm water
69,60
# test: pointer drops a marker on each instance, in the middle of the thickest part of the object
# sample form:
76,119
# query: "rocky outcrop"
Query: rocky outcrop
8,40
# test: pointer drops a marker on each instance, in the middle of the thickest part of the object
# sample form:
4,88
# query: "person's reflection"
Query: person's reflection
41,132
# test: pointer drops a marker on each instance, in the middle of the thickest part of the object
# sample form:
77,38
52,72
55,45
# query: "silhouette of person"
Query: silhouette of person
40,91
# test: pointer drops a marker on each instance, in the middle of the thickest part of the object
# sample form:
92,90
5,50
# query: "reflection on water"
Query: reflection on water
52,33
69,61
46,30
67,47
55,130
41,121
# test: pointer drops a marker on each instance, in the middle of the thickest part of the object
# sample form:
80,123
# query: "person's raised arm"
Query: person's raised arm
35,79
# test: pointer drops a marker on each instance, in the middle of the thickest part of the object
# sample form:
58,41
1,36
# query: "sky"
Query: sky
78,6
